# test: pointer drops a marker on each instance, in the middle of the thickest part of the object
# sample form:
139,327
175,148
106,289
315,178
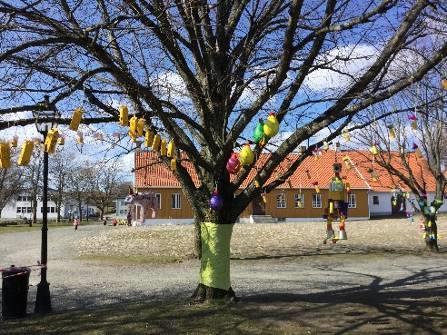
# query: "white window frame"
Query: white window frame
281,200
158,196
295,197
352,200
316,200
176,201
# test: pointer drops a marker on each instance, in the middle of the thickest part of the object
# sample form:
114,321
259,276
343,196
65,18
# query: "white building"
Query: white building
20,207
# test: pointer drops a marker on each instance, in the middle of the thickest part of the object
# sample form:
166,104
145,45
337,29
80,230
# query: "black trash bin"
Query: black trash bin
15,281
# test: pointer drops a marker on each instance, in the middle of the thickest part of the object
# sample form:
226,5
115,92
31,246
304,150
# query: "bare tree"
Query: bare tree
11,181
78,185
203,73
32,181
411,144
60,168
106,181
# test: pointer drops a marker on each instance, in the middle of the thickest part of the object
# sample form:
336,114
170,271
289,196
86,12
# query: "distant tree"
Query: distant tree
409,145
78,185
60,167
32,181
104,182
11,184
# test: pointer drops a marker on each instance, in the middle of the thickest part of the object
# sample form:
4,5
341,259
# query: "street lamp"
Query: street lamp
46,118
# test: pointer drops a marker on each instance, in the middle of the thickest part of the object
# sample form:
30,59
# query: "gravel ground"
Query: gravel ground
380,264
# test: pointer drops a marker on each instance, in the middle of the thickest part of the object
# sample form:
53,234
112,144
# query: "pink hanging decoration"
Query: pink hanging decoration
233,164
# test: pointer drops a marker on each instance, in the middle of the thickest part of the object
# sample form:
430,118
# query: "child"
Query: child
76,223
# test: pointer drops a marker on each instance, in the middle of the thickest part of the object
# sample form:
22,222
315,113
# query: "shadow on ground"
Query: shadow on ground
415,304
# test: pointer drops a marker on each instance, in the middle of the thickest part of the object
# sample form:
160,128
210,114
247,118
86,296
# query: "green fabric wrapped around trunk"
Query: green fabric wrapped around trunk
215,267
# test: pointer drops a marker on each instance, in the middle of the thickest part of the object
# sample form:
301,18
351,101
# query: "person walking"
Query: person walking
129,219
76,223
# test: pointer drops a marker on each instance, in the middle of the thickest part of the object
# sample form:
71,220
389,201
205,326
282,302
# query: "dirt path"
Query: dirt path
386,293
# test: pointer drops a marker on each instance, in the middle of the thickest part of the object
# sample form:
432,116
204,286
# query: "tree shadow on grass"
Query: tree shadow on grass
416,304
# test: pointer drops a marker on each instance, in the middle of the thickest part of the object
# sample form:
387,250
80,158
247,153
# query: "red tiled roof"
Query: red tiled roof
386,182
149,172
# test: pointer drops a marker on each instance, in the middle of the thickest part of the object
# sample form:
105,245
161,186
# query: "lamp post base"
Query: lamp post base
43,298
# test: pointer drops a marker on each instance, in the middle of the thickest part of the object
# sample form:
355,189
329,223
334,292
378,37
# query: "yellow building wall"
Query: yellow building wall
166,211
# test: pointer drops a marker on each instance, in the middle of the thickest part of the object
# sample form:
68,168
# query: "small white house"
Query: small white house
20,207
121,208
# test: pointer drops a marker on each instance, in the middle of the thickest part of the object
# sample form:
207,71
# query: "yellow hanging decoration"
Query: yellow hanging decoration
345,134
347,162
141,123
271,126
374,149
391,132
5,155
76,119
14,141
148,138
264,197
317,188
444,83
133,125
257,184
25,153
173,164
246,156
325,146
124,118
171,149
51,141
156,143
61,140
163,147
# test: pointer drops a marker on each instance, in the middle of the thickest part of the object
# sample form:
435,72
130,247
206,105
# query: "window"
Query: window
175,200
352,202
281,200
29,209
52,209
158,196
299,200
316,200
19,209
375,199
23,209
28,198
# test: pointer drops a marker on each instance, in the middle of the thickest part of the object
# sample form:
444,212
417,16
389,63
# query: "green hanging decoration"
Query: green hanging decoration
258,134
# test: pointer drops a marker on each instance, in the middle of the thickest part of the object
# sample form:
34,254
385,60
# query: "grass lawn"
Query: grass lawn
17,228
158,318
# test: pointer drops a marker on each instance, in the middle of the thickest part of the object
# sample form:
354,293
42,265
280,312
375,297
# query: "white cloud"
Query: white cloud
359,58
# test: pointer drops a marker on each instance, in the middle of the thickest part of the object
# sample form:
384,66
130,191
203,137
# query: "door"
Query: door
258,206
398,205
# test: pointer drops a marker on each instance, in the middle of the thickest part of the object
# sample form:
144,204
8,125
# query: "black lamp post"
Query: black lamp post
46,118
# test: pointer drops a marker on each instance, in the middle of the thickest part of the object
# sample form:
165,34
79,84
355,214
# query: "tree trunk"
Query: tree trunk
215,263
431,233
80,211
58,210
34,212
101,214
197,239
